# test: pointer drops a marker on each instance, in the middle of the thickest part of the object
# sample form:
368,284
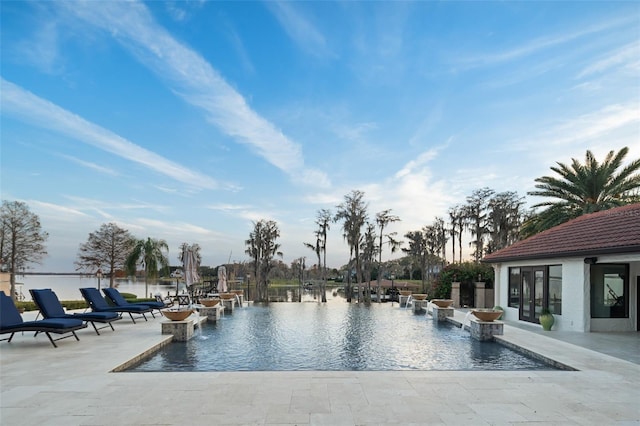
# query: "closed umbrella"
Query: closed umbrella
190,265
222,279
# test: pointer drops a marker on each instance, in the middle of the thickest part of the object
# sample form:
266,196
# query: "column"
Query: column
479,300
455,294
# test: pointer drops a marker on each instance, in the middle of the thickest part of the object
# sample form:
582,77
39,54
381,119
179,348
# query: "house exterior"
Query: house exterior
586,271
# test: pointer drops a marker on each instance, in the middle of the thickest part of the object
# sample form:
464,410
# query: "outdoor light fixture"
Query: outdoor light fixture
99,275
590,260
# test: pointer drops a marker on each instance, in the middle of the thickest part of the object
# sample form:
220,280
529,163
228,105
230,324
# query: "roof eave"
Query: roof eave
572,253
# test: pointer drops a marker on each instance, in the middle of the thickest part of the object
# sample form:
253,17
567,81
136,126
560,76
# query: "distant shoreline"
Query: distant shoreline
79,274
87,275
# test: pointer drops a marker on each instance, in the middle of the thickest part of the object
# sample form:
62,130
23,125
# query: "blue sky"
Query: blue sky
187,121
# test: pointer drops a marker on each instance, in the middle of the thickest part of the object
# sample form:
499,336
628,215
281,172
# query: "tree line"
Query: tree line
492,220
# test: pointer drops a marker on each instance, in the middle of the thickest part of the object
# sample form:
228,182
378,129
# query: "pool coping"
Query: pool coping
518,347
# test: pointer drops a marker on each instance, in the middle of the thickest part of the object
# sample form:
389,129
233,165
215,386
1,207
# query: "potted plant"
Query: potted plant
546,319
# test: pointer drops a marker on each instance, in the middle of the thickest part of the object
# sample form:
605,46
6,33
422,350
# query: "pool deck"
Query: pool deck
74,385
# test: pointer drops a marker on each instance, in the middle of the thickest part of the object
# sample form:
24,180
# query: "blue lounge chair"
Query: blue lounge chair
113,295
11,322
50,307
99,304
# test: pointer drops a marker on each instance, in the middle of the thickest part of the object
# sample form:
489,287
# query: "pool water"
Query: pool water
333,337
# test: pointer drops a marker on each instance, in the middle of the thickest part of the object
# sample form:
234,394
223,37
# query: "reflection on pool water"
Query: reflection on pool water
333,336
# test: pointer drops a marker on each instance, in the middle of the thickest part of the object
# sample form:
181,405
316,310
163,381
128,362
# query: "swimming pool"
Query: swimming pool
333,337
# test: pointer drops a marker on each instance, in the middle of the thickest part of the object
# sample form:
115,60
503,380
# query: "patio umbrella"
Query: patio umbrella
190,265
222,279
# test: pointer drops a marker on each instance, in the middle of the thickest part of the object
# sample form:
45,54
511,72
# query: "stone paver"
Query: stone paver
74,385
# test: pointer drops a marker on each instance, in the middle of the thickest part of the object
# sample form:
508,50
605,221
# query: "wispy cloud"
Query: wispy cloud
98,204
244,211
428,124
419,162
624,56
299,29
584,129
596,124
182,11
236,42
229,207
90,165
42,49
62,212
539,44
354,132
196,81
172,228
30,108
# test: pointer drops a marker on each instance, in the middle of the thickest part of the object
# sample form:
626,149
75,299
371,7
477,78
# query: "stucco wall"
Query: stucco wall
576,313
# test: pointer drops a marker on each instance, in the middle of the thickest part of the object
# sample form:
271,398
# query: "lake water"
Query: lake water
334,336
67,286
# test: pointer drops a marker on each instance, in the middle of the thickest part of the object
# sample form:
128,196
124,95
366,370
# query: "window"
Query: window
555,289
609,291
514,287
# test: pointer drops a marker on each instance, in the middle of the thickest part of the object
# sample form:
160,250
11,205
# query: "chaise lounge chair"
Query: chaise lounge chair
99,304
11,322
113,295
50,307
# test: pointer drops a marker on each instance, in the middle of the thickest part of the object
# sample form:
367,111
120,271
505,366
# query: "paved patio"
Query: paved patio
73,385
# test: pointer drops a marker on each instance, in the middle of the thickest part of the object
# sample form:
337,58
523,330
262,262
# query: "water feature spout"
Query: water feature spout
467,320
196,317
409,301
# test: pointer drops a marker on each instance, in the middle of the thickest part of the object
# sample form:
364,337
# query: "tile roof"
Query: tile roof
611,231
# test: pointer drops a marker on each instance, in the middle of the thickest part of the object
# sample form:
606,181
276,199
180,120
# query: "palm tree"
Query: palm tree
320,247
457,216
452,231
584,188
383,219
262,248
441,238
369,250
317,249
150,255
417,250
323,220
353,213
